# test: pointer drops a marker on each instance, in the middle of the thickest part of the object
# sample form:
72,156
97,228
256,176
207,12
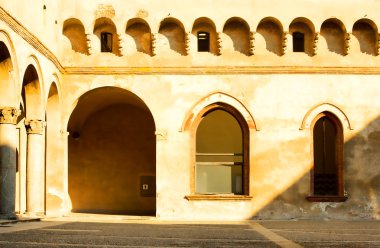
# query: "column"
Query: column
8,160
35,167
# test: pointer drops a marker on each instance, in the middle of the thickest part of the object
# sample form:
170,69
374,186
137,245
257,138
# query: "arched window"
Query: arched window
203,41
221,159
298,42
106,42
327,173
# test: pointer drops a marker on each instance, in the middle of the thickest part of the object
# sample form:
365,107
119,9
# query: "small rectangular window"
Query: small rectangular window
106,42
203,42
298,42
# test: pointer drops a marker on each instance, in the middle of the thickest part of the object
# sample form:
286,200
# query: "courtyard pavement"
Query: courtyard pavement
149,232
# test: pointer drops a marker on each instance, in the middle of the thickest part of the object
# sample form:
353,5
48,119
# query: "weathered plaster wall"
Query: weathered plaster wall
280,153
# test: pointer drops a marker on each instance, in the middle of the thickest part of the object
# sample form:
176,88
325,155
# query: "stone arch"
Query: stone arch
32,91
174,32
366,32
216,97
272,31
325,107
334,32
239,32
306,27
112,140
105,25
74,30
140,31
9,74
205,24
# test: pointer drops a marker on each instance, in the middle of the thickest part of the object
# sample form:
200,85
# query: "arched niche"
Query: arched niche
272,31
140,31
105,30
305,27
206,26
239,32
334,32
174,32
73,29
365,31
112,153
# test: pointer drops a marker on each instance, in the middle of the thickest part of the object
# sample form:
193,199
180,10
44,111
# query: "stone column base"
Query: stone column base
34,214
11,216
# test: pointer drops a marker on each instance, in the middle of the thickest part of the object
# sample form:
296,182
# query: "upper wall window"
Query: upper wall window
106,31
106,42
298,42
303,36
203,41
204,30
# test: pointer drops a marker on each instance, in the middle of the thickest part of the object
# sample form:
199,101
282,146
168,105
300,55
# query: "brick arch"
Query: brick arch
217,97
325,107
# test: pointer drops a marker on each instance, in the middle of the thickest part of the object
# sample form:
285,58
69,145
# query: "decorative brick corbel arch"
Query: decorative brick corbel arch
217,97
325,107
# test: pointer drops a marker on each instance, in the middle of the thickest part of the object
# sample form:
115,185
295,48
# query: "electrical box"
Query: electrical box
148,186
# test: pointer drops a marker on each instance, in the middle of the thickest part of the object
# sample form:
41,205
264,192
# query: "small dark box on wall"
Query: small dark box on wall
148,186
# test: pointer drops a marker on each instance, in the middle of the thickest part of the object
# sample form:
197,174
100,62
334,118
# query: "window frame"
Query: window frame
246,166
199,41
340,197
298,39
104,39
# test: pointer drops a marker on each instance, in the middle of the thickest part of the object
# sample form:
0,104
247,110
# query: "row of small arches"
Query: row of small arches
304,35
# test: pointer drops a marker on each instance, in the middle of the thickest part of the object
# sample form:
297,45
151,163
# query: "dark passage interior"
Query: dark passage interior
112,154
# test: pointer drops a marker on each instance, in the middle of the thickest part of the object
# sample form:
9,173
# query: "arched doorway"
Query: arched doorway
112,154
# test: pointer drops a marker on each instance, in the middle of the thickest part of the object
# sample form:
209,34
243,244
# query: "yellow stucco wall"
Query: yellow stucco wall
275,92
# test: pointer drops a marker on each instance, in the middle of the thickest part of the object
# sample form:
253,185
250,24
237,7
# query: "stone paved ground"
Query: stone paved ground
154,233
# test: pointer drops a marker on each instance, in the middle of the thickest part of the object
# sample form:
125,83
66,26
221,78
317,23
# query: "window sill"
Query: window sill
218,197
326,198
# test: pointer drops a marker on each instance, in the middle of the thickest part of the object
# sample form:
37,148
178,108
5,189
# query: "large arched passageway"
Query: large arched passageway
112,154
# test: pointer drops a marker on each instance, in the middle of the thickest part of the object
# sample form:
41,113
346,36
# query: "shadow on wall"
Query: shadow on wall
361,181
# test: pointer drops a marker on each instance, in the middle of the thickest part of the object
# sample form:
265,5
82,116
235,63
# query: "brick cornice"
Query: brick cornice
220,70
